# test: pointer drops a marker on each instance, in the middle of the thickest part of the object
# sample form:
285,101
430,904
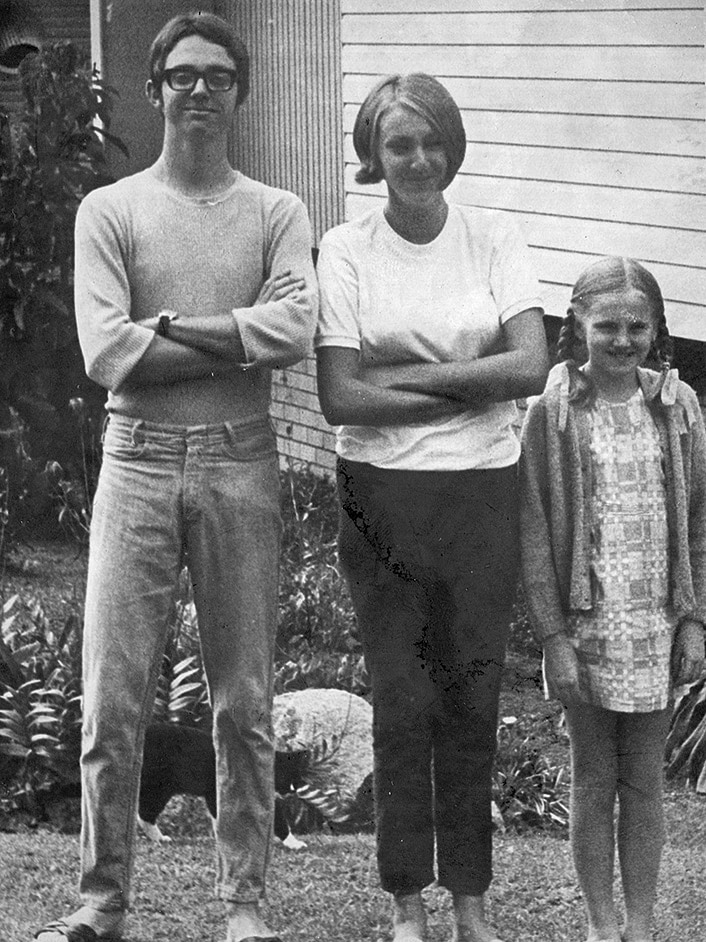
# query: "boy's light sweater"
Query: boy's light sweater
142,248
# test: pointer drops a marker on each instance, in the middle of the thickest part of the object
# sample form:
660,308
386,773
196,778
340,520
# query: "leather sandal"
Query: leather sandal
80,932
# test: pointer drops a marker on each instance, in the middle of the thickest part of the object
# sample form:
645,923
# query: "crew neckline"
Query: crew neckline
205,201
416,246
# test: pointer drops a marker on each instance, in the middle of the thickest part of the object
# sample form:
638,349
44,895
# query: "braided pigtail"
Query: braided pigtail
570,349
662,350
568,340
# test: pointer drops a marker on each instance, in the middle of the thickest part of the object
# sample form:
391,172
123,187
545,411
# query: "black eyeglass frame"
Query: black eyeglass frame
197,74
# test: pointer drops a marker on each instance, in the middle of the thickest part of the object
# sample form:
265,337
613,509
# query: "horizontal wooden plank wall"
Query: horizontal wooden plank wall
584,118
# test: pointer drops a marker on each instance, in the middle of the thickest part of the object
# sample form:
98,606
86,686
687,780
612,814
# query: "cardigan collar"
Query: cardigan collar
653,385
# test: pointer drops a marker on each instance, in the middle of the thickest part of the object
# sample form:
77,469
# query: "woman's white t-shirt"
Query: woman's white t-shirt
447,300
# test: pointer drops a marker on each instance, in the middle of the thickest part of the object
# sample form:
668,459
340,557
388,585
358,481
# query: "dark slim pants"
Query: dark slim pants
432,563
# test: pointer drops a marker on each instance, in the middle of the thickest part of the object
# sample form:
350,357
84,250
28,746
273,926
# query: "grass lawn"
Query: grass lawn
329,892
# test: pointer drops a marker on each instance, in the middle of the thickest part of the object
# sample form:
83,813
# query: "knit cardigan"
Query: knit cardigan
556,487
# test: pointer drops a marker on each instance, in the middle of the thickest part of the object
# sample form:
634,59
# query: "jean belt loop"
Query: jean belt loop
137,434
104,427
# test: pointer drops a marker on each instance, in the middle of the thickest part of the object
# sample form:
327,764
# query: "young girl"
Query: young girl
614,566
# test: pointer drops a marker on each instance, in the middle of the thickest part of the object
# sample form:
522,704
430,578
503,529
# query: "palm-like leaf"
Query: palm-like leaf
182,695
685,749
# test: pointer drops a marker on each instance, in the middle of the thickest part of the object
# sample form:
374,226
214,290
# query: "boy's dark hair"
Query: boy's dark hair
422,94
607,276
211,28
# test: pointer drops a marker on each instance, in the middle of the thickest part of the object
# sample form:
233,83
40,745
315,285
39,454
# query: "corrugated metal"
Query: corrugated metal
289,133
66,19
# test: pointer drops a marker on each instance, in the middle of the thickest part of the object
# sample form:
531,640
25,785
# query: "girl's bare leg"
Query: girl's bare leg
641,820
594,784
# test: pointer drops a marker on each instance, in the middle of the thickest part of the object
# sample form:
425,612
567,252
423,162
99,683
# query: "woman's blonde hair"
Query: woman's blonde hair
422,94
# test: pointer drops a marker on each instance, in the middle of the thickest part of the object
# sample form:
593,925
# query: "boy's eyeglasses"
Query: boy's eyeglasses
183,79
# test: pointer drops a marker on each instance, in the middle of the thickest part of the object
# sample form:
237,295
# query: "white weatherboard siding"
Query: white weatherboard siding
584,118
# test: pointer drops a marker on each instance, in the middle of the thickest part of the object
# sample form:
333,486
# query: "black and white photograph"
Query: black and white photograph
352,470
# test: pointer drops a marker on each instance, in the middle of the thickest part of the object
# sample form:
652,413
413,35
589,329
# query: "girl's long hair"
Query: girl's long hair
608,276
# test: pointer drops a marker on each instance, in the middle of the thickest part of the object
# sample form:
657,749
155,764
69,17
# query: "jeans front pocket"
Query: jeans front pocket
253,441
123,441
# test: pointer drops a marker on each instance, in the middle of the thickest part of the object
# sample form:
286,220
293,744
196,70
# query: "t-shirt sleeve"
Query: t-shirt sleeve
339,320
111,342
512,279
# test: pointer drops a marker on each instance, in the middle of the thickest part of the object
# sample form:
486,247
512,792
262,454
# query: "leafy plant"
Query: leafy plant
49,160
314,805
40,706
317,643
182,695
74,492
685,749
40,667
528,790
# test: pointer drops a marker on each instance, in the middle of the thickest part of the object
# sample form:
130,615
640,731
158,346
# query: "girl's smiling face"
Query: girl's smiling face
618,330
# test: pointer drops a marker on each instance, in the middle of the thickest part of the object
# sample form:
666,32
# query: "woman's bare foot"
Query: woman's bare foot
245,922
471,924
409,918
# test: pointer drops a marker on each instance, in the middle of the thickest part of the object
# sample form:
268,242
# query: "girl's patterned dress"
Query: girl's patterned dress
624,643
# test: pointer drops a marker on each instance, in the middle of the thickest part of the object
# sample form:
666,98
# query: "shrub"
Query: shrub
316,646
528,790
317,643
686,743
49,159
40,706
40,669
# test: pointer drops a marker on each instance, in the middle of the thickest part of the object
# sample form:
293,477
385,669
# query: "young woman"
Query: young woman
430,326
614,560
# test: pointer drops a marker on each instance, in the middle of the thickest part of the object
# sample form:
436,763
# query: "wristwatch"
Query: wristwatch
163,324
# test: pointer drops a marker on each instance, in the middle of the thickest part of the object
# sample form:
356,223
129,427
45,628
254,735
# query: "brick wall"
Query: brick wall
303,433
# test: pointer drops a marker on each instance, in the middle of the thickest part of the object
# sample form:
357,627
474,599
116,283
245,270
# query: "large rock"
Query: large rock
336,727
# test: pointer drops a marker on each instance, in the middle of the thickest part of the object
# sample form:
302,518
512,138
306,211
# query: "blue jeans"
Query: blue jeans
207,495
431,558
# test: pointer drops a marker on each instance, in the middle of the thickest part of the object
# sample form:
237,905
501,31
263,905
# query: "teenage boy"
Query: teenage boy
192,283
